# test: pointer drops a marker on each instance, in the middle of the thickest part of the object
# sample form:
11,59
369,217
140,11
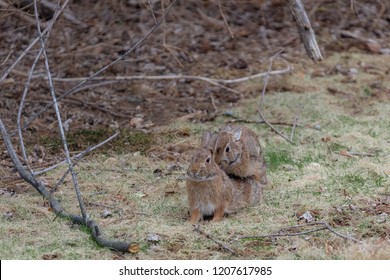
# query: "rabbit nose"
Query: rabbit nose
224,163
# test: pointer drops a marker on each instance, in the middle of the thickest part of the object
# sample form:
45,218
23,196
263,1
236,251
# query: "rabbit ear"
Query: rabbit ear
206,137
237,134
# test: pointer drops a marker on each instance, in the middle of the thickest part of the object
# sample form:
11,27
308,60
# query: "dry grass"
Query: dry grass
145,197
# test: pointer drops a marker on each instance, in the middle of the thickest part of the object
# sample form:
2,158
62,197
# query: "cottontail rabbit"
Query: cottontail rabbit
210,191
239,153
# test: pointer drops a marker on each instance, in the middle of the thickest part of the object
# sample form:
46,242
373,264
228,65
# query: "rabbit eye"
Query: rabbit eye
208,160
227,149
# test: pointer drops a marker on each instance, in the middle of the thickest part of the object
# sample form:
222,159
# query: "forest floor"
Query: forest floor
338,170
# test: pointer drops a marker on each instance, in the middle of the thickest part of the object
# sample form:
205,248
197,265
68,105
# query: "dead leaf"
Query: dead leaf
327,139
52,256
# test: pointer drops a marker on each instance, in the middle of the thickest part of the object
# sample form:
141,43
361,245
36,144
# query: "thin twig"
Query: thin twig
267,74
288,69
279,234
76,157
69,15
59,120
222,245
273,128
21,105
7,57
296,118
283,232
77,160
224,19
263,94
152,11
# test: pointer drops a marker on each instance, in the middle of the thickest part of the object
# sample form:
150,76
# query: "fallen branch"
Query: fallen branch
285,232
54,204
213,81
222,245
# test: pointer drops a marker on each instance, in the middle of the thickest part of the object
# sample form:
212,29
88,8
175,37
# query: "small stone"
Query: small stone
106,213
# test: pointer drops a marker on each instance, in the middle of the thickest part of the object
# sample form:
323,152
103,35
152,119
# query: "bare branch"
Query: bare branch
58,115
224,19
273,128
25,91
305,30
268,73
54,204
263,94
218,82
285,232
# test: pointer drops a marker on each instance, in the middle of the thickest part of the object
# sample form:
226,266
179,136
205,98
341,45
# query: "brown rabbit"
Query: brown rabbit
209,189
239,153
249,191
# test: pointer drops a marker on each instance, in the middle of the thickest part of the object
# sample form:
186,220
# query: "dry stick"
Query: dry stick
224,19
54,204
339,234
152,11
279,234
77,160
262,96
305,30
67,14
323,224
7,57
296,118
76,87
273,128
217,82
76,157
46,31
266,78
238,120
222,245
25,91
58,115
